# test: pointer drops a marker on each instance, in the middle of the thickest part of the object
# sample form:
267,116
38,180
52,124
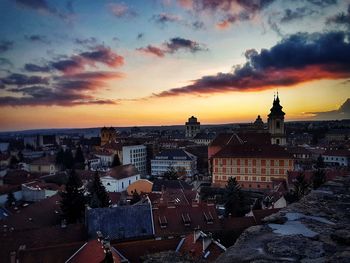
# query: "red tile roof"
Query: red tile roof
92,252
135,250
345,153
253,151
123,171
175,220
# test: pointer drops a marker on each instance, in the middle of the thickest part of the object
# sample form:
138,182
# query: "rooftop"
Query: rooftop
122,171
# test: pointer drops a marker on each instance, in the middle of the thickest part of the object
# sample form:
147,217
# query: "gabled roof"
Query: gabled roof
122,222
181,219
342,153
92,252
252,151
122,171
164,184
174,154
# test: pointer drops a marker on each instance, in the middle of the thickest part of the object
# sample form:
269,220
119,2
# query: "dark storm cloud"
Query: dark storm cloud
172,46
5,45
36,68
21,80
299,58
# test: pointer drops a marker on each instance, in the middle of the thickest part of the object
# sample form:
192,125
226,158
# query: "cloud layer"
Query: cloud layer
173,45
296,59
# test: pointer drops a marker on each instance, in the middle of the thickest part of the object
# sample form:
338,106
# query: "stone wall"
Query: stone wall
315,229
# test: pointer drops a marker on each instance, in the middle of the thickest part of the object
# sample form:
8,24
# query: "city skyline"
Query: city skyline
127,63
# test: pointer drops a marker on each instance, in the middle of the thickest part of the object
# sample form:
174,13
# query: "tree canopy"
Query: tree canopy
235,201
98,194
72,199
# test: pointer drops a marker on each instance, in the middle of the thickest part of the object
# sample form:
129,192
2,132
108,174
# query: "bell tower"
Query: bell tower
276,123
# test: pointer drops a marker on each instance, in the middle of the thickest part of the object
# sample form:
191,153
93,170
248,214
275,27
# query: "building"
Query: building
137,156
140,186
108,135
276,123
336,157
122,222
35,191
105,157
253,166
120,177
192,127
44,165
203,138
176,158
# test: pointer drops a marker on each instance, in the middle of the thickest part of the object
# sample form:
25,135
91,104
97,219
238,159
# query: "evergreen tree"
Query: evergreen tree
73,199
301,187
79,156
20,156
116,161
13,161
235,202
98,194
135,198
60,157
319,178
320,162
11,200
171,173
68,159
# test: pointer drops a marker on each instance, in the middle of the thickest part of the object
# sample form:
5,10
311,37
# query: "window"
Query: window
122,184
278,125
277,141
129,182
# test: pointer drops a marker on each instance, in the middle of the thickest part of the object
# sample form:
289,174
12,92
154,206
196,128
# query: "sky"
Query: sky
79,63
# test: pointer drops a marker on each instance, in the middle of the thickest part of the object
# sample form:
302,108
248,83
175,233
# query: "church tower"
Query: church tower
276,123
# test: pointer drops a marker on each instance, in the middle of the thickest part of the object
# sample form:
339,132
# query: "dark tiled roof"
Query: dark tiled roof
173,154
345,153
39,238
159,184
52,254
18,177
253,151
123,171
206,136
135,250
92,252
182,219
121,222
43,213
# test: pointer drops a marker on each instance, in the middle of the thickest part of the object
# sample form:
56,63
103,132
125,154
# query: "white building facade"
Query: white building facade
137,156
176,158
119,178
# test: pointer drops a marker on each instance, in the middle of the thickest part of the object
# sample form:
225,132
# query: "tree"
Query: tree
320,162
116,161
79,156
235,202
135,198
181,171
301,187
98,194
319,178
11,199
73,199
68,159
171,173
13,161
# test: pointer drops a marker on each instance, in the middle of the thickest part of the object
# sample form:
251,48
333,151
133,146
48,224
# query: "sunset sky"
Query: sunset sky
157,62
